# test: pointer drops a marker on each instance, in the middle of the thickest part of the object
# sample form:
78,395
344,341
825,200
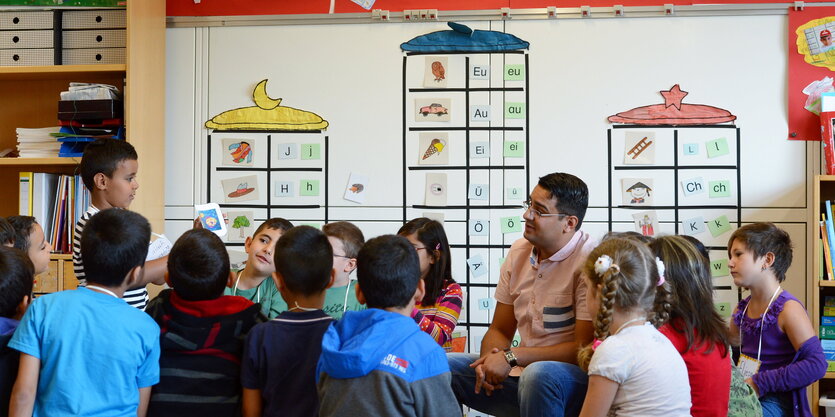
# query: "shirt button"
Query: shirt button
540,275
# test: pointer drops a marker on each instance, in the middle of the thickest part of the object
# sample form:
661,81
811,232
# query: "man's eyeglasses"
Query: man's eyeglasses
341,256
527,206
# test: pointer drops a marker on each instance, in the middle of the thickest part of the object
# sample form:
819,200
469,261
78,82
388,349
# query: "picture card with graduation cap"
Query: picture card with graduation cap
433,109
436,189
238,152
433,148
639,148
435,72
637,191
241,189
241,225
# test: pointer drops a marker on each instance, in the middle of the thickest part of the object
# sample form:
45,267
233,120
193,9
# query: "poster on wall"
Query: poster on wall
811,65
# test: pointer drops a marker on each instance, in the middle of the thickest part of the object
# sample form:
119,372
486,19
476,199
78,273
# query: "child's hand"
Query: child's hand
752,384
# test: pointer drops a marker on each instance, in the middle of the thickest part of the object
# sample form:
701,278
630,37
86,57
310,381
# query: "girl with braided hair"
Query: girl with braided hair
633,369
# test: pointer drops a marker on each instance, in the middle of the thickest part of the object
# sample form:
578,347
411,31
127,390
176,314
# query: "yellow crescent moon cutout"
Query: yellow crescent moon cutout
261,99
267,114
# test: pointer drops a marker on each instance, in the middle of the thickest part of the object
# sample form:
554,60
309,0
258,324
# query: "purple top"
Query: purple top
777,349
783,369
7,326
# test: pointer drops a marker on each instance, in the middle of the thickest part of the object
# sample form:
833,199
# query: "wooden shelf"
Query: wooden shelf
64,256
829,375
826,283
40,161
51,71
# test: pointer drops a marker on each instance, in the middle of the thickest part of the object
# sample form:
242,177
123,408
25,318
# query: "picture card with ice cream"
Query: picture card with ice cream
433,148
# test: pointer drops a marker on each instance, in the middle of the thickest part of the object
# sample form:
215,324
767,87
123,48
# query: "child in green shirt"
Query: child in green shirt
346,241
255,282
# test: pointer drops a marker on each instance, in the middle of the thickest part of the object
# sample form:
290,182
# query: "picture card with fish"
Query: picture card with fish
433,148
241,225
639,148
432,109
637,191
357,188
237,152
436,189
435,72
646,223
241,189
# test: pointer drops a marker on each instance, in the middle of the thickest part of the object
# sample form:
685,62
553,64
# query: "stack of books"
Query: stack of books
827,332
87,112
56,202
37,143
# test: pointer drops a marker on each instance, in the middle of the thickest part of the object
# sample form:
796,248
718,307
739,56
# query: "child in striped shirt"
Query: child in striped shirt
437,313
108,169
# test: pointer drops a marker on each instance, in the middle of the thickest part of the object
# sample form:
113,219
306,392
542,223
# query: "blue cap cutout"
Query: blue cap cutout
463,39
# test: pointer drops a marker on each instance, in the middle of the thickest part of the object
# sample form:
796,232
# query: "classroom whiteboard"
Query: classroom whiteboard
580,72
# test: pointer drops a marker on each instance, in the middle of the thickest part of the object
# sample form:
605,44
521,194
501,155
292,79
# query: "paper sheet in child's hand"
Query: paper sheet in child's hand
160,247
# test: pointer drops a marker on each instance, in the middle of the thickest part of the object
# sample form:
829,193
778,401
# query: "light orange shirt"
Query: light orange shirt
548,296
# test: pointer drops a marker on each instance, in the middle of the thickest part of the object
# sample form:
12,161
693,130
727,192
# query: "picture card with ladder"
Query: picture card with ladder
639,148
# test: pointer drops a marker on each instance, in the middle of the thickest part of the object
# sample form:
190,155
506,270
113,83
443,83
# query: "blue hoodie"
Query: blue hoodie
384,353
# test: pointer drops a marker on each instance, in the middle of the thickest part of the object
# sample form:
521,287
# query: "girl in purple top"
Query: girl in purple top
780,354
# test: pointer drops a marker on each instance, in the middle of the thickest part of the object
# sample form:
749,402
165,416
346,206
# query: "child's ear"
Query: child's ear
167,279
359,294
247,242
420,291
134,277
769,259
22,306
436,254
100,181
230,280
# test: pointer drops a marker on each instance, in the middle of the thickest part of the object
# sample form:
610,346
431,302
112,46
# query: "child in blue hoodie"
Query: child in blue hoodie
382,350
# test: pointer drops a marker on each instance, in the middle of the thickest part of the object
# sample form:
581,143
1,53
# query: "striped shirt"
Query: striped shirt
136,297
440,319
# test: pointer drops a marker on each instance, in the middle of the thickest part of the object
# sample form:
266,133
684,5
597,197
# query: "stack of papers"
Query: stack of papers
37,143
90,91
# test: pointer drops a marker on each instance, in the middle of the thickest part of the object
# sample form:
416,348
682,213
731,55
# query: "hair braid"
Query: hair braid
662,307
603,319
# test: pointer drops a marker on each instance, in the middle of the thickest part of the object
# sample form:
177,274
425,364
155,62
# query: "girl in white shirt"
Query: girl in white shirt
634,370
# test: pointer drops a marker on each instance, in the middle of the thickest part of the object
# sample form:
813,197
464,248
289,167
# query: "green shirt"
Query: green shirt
335,297
265,294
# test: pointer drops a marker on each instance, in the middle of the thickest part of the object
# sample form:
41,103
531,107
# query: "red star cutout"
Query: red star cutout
673,97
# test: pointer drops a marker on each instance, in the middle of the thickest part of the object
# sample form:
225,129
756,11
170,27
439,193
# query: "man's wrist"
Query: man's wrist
510,357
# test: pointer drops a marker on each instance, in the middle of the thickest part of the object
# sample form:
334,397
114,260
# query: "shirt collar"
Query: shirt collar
561,254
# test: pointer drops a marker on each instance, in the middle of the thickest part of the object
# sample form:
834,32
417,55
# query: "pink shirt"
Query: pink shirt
548,296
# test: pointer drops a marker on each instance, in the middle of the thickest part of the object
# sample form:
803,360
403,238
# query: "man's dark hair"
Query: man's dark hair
276,223
304,258
113,242
198,266
104,155
388,271
17,277
7,232
571,193
23,226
